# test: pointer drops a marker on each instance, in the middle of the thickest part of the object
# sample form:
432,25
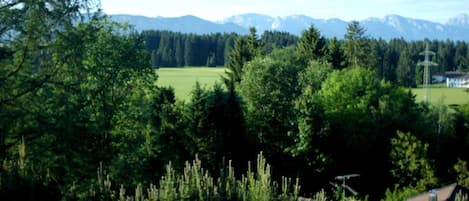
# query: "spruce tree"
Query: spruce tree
237,58
355,49
404,71
336,55
312,44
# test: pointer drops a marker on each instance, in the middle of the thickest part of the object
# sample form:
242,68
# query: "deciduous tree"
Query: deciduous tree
410,164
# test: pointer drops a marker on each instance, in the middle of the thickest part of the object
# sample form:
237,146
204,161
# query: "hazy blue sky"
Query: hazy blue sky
435,10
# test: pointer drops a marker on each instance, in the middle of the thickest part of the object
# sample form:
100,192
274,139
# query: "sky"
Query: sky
217,10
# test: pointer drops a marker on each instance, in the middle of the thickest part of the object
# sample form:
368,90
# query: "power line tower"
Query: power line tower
426,71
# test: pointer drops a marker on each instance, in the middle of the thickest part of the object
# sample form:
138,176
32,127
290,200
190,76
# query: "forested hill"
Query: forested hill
388,27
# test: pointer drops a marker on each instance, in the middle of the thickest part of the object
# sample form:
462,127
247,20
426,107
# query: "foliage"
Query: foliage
76,111
271,40
335,54
312,125
341,89
312,45
194,183
253,42
76,95
462,173
360,113
237,58
166,141
268,87
394,60
355,45
404,71
215,127
411,167
461,197
399,193
171,49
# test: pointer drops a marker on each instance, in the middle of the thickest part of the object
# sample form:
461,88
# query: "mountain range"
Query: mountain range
388,27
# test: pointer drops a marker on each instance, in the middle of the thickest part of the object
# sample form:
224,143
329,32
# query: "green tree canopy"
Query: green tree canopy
269,87
411,166
360,113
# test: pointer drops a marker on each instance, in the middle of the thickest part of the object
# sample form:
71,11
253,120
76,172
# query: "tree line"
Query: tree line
172,49
82,118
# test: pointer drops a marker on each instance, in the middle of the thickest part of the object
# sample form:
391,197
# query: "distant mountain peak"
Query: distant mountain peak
387,27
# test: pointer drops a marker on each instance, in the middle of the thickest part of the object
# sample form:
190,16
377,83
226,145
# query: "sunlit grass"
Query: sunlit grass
449,96
184,79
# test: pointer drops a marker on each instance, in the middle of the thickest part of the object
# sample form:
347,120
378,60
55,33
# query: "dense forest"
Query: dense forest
81,116
171,49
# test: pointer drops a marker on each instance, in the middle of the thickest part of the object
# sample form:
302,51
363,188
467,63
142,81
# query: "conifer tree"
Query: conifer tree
355,46
254,42
404,71
336,54
245,50
312,44
237,58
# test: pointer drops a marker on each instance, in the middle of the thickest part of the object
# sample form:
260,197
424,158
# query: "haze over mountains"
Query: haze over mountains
391,26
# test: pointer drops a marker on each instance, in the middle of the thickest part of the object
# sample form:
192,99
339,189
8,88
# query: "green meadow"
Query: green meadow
183,79
449,96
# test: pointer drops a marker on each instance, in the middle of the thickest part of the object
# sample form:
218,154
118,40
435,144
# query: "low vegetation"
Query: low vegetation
195,183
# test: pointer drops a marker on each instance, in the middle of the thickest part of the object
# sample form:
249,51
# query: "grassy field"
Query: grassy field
449,96
183,79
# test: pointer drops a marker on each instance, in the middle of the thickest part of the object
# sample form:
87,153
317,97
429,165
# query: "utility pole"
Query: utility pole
426,71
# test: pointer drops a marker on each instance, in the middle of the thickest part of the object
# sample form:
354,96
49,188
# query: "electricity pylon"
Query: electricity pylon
426,71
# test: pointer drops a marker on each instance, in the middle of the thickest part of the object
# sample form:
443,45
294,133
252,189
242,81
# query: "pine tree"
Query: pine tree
312,44
238,57
188,50
404,71
355,49
336,55
179,52
253,42
245,50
